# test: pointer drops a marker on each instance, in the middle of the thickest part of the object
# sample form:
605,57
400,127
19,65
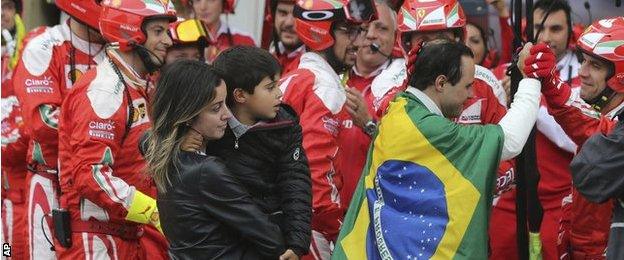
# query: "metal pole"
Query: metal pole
521,203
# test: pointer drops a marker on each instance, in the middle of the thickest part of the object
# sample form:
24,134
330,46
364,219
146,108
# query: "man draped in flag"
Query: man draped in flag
427,187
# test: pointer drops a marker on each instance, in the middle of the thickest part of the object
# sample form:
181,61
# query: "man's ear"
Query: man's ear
439,83
239,95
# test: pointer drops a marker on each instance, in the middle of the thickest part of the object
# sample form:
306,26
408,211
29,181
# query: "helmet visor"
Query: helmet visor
189,31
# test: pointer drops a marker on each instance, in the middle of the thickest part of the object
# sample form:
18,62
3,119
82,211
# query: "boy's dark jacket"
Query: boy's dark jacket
270,162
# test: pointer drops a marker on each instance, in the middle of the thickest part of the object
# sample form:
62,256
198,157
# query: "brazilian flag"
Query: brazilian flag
426,189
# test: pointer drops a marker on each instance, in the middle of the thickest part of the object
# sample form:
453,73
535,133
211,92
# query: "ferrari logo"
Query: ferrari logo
116,3
74,75
420,13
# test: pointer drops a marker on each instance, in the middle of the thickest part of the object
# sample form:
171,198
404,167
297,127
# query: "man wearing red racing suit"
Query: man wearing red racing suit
315,91
586,113
103,187
51,63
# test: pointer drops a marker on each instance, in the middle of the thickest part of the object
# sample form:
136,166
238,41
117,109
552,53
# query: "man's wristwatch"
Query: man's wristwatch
370,128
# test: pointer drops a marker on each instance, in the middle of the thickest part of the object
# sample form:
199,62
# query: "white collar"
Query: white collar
426,100
376,72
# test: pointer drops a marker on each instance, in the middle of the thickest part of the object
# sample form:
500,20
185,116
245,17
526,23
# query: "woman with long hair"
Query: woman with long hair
204,212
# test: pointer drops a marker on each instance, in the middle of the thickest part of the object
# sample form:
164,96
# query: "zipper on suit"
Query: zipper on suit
236,143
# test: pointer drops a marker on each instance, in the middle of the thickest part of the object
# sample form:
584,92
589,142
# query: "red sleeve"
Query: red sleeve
581,122
40,98
491,109
91,142
506,40
320,129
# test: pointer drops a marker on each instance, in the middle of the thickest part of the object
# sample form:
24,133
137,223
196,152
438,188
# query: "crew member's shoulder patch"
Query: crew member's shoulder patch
105,92
38,52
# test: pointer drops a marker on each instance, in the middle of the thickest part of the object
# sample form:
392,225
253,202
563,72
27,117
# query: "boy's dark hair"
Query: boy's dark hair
553,6
438,58
244,67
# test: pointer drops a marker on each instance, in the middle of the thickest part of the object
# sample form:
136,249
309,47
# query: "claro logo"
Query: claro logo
101,125
102,130
46,81
39,85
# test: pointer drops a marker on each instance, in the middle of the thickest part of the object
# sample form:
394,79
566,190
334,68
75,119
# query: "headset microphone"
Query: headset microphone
375,48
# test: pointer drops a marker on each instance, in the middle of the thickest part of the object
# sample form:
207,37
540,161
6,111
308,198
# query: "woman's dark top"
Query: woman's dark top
206,214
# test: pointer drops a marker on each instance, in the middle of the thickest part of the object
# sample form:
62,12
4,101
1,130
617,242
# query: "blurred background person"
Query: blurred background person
285,45
189,37
224,34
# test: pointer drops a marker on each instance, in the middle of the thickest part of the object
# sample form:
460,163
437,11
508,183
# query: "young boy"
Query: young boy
262,144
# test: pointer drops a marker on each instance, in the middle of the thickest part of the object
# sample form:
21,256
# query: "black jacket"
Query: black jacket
598,174
270,162
207,214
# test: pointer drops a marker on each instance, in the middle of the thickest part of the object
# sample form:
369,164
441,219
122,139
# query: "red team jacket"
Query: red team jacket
42,79
101,166
314,91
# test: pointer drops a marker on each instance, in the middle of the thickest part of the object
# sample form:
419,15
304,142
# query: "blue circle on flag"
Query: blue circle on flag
410,217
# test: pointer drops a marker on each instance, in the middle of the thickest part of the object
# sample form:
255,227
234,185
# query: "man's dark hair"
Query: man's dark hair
553,6
244,67
437,59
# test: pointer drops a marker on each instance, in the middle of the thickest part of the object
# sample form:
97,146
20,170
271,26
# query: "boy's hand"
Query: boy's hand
289,255
192,142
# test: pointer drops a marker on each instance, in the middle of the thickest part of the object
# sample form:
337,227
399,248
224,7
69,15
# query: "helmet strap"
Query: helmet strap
599,102
148,62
